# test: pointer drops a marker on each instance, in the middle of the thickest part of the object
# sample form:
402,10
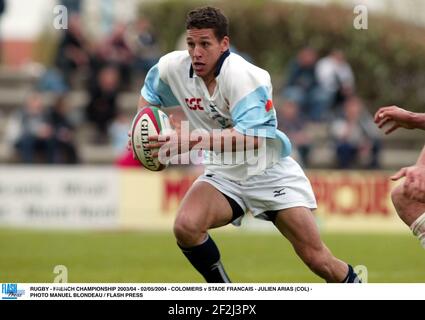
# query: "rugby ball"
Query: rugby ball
149,121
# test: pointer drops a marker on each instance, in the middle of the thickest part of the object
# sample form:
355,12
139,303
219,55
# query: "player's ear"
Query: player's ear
225,42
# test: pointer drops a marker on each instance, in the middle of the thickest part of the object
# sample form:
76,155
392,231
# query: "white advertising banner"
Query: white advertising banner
59,197
134,199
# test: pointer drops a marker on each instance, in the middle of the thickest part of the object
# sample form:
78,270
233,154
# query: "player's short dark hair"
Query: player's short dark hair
208,18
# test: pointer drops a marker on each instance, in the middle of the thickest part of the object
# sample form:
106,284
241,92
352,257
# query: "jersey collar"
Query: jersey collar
220,62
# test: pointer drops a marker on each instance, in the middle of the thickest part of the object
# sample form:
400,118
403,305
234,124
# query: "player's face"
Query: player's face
205,50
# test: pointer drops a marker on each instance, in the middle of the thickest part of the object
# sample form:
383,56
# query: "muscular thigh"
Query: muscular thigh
299,227
204,207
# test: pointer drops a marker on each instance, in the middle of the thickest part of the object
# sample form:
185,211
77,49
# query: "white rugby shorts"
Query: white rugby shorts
282,186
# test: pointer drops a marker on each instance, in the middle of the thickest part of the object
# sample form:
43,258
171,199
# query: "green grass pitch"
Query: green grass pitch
153,257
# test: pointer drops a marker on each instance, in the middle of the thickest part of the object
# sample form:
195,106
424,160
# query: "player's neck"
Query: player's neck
210,83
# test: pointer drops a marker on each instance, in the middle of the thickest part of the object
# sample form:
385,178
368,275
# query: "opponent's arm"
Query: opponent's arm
399,117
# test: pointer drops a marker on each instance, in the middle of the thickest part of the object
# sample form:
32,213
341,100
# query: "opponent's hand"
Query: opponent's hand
414,184
394,115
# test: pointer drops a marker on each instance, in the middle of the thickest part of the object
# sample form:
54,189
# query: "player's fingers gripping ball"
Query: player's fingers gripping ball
148,122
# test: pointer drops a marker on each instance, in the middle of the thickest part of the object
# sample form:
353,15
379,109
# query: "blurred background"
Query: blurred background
70,77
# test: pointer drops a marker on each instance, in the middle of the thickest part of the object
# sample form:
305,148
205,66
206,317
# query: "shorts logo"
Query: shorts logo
279,192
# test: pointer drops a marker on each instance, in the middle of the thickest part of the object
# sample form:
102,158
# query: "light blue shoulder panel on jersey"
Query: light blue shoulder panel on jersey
156,91
250,117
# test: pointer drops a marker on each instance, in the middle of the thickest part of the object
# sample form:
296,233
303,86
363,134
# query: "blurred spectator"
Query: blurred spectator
144,45
2,10
302,86
102,107
106,9
52,80
181,43
73,51
61,145
118,133
2,6
116,50
336,78
291,122
355,136
29,132
119,138
73,6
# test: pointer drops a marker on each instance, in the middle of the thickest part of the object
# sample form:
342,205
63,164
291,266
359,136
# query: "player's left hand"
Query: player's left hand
414,184
176,140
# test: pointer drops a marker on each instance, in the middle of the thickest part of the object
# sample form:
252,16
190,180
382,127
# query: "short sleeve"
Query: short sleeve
249,92
254,114
156,90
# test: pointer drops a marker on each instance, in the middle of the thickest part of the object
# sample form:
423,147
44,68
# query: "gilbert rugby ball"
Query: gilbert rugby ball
149,121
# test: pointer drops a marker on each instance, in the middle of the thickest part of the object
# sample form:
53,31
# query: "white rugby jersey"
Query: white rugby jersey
242,99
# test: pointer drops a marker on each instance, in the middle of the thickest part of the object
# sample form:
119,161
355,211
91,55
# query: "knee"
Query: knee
397,196
187,231
408,210
399,200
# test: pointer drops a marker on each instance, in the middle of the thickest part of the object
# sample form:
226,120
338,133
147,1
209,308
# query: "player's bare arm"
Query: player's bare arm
226,140
399,118
143,103
205,141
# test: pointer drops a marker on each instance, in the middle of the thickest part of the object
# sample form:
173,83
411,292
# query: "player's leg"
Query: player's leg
203,208
411,212
299,227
